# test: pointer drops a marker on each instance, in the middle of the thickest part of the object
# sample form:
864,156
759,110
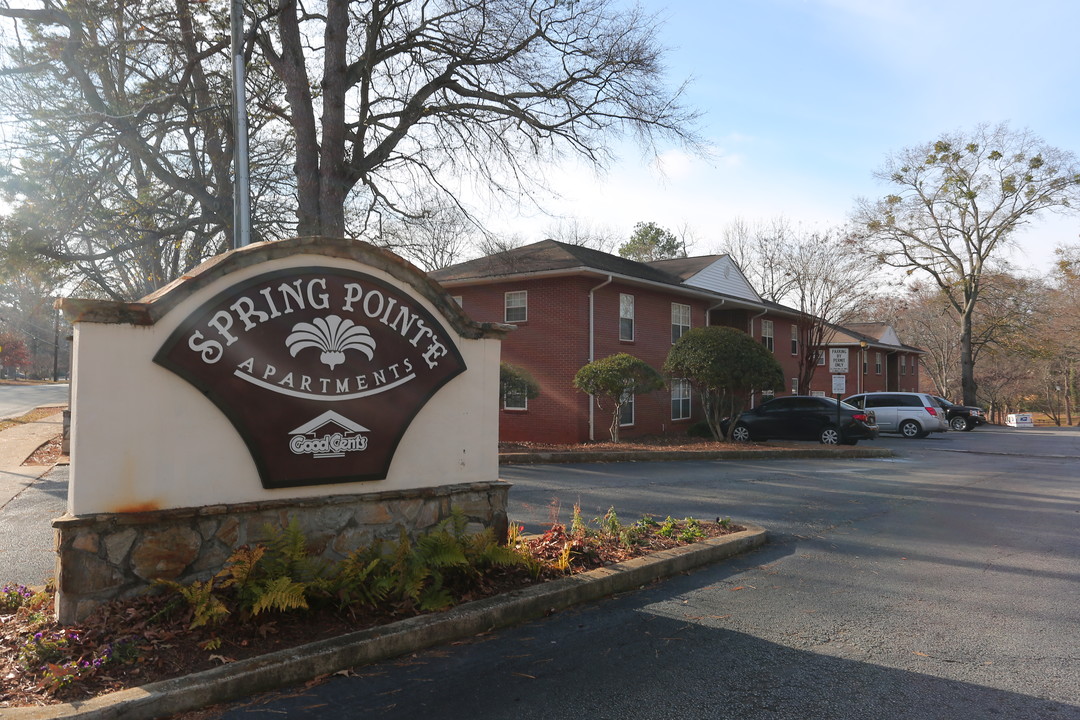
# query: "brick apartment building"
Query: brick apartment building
572,304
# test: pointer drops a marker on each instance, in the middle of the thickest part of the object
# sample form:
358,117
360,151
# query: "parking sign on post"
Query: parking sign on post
838,360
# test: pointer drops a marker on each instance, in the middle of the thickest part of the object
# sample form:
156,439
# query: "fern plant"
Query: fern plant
280,574
360,580
206,607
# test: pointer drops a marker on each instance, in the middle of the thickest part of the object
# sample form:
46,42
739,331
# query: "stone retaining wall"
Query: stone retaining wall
107,556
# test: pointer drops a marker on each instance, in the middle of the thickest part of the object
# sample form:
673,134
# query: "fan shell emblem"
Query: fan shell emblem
332,336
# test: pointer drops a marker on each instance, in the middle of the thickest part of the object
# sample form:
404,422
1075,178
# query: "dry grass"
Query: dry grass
33,416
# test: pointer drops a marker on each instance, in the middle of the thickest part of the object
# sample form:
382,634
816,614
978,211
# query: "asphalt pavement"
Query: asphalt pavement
19,399
942,584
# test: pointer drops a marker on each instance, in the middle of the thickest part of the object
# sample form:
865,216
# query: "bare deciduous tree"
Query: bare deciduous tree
955,203
820,274
120,154
359,111
426,93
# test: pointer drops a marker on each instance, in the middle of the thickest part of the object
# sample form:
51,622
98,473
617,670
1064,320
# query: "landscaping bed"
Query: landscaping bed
160,636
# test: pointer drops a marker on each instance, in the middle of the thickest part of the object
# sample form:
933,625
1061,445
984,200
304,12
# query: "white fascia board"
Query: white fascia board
626,279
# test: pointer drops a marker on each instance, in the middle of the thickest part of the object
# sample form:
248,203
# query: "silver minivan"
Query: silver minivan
913,415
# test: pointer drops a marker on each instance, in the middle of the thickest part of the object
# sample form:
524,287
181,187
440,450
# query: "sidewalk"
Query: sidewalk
16,445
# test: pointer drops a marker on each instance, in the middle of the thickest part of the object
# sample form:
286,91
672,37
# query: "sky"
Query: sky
802,100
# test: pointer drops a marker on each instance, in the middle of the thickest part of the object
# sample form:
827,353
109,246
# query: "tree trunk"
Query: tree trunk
967,363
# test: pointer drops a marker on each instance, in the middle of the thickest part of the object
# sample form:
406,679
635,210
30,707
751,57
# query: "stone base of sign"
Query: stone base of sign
106,556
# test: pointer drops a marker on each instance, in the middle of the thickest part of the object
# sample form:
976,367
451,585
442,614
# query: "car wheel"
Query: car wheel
741,433
959,423
911,429
829,436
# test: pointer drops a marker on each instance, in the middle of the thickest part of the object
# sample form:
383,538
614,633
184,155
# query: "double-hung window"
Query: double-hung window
626,412
516,305
794,386
903,364
680,320
515,399
680,399
626,316
794,339
877,363
767,334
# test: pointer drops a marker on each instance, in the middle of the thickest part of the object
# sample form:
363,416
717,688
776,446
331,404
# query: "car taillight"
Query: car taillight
861,417
932,411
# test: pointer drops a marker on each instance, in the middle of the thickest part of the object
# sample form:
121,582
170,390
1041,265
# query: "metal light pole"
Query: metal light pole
241,185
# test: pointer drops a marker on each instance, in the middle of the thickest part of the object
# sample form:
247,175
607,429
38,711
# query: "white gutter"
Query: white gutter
687,290
714,307
592,351
753,396
755,317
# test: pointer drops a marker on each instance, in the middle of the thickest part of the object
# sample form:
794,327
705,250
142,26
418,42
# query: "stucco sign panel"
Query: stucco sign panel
320,370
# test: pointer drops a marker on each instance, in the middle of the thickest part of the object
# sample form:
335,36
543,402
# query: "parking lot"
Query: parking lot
937,584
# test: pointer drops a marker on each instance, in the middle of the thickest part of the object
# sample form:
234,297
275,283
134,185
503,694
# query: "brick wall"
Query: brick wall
553,344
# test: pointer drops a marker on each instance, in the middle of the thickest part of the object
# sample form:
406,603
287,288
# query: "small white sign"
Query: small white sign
838,360
839,384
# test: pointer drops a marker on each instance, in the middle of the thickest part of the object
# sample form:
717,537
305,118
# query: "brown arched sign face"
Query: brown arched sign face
320,370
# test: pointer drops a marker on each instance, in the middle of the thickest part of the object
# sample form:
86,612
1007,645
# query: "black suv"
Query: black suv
803,417
961,417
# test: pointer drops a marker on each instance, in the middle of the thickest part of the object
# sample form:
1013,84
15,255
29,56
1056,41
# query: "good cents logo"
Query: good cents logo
339,436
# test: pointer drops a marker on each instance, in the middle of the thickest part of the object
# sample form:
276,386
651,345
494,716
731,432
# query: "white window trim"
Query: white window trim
683,385
524,295
768,336
684,327
794,339
794,386
630,317
631,404
516,409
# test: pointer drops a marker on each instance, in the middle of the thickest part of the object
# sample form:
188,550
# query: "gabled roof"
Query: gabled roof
875,334
878,330
686,267
717,273
710,275
551,255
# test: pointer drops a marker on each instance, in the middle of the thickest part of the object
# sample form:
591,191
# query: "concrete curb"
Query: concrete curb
299,664
533,458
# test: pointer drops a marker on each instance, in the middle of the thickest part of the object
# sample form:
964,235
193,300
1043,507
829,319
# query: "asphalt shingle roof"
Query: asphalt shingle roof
549,255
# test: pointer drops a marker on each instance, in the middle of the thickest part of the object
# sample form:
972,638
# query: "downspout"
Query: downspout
714,307
753,396
592,352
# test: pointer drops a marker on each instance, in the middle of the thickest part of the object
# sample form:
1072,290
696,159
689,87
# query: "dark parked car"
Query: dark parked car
802,417
962,417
